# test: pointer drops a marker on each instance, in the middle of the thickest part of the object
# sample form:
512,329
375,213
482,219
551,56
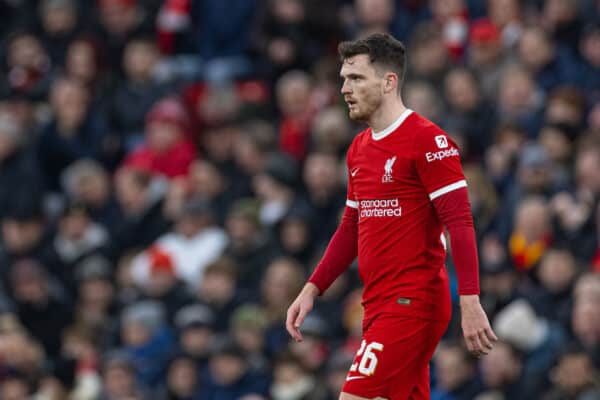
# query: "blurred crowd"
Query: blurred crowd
171,172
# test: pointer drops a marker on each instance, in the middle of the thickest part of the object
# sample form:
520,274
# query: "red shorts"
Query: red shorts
393,359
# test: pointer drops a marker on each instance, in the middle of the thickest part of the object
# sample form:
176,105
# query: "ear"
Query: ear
390,83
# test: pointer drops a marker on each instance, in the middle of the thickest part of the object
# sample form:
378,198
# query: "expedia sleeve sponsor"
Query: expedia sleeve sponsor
440,155
380,208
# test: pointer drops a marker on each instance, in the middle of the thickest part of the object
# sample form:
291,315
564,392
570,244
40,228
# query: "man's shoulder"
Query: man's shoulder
428,135
423,127
358,140
361,136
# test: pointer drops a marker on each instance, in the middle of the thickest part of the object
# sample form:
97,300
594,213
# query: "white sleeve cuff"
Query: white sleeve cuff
447,189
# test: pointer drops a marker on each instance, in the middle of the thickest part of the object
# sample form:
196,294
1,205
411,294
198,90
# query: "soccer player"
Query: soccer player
405,184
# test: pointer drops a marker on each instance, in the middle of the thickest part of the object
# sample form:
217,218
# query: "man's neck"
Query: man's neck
386,115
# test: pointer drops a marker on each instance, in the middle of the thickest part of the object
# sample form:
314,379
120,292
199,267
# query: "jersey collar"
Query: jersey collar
392,127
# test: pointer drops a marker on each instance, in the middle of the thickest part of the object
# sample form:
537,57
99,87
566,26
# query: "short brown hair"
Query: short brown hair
382,49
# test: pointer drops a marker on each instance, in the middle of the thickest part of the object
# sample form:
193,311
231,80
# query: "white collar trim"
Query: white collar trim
392,127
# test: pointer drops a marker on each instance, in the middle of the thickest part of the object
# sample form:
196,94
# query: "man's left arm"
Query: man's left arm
454,211
437,162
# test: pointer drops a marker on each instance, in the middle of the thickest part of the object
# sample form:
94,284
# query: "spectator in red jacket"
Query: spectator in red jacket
168,149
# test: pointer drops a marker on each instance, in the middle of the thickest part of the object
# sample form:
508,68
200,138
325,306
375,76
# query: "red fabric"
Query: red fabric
172,110
454,211
484,31
596,261
341,251
403,348
401,254
172,18
293,138
172,163
160,261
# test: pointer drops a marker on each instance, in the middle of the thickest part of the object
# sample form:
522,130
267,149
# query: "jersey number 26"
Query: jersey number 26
368,359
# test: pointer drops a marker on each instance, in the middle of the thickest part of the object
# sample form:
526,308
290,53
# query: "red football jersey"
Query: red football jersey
393,177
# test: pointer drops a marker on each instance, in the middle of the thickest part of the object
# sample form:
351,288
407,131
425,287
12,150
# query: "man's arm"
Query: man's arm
454,211
341,251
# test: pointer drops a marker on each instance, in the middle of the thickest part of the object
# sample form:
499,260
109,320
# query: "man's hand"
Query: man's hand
299,309
475,325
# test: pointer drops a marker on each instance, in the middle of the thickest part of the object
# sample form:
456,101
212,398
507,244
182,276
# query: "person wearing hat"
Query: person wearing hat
195,327
194,243
147,339
168,149
485,54
537,339
163,285
248,326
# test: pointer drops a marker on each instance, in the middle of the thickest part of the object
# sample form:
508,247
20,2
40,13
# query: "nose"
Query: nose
345,88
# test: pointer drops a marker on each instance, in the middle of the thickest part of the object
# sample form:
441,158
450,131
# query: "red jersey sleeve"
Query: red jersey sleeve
343,247
439,169
437,161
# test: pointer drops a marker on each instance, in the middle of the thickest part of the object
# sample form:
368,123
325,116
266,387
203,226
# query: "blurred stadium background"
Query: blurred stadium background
171,171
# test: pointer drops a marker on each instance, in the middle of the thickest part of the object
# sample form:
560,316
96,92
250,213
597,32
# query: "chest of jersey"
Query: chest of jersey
385,170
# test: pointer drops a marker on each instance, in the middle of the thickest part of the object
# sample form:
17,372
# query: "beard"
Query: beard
363,110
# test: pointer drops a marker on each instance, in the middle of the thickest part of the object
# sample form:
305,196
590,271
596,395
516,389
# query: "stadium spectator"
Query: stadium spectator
469,112
195,331
514,84
250,246
248,324
229,376
75,132
28,69
502,373
574,376
194,243
455,373
219,290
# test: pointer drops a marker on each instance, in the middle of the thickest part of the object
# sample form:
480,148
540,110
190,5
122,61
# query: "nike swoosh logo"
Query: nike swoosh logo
353,172
351,378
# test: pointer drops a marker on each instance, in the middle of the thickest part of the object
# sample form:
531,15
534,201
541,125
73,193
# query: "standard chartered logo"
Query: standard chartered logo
380,208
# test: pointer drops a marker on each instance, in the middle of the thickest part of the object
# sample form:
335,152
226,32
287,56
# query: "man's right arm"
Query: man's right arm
341,251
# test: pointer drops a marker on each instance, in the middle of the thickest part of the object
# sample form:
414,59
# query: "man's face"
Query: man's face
362,87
